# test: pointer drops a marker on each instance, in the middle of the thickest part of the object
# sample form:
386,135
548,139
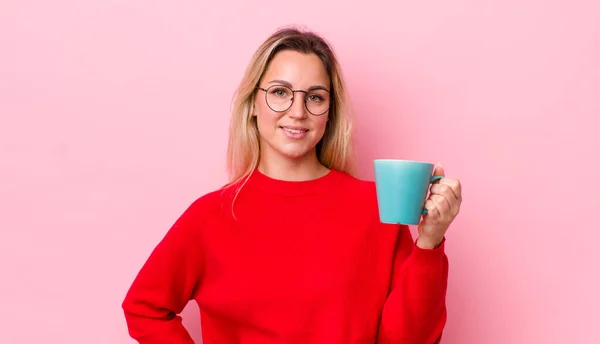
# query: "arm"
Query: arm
415,310
165,284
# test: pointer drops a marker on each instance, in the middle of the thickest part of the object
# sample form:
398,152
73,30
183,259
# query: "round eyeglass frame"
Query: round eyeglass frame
266,90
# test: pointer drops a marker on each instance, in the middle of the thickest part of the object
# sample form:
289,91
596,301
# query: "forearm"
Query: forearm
167,330
415,310
151,310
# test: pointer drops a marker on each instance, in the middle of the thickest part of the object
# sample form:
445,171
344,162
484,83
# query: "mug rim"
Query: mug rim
403,160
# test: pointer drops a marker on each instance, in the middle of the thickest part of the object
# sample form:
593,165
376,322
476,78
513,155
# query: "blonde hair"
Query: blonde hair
335,148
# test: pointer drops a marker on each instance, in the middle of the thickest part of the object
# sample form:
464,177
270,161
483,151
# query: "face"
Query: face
295,132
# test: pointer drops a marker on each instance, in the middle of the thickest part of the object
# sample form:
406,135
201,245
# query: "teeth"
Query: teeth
295,131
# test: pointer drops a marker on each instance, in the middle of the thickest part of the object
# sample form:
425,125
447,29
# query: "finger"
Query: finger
454,185
432,210
442,205
438,171
445,190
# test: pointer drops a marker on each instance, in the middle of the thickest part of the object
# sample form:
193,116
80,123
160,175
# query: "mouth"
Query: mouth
294,133
294,130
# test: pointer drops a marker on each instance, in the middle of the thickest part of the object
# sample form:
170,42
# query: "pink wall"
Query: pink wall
114,118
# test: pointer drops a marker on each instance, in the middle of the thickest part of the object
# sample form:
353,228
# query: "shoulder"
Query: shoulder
211,201
217,202
359,196
355,185
355,189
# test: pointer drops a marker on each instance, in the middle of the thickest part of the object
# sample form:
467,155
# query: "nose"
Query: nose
298,108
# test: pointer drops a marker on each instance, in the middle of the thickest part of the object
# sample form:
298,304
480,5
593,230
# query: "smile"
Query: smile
294,131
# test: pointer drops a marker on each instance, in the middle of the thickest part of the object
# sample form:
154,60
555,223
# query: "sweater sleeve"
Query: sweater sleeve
415,310
165,284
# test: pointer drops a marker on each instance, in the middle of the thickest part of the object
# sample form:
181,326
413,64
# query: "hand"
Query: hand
443,204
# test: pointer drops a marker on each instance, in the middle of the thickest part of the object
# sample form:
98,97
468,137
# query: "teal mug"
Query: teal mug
402,187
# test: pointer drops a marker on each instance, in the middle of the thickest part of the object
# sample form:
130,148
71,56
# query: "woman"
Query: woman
292,250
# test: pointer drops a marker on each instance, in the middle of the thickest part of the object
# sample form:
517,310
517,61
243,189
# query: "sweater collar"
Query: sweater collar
263,183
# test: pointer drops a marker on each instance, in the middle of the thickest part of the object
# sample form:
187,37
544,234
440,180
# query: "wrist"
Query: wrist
428,243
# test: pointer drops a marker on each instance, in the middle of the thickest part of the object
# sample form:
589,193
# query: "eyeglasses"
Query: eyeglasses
279,98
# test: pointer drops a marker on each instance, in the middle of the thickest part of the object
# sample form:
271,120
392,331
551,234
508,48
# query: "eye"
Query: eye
314,98
280,92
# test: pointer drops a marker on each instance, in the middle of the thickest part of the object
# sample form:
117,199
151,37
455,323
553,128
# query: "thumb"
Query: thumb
439,170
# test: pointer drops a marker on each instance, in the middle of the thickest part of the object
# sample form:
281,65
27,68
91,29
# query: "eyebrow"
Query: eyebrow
285,83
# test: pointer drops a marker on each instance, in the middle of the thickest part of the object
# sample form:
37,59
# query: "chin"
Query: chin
291,150
295,150
294,153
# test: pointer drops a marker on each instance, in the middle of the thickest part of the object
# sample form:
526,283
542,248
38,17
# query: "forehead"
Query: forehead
299,69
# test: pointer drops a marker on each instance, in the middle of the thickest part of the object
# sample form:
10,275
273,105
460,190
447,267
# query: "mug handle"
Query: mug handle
433,179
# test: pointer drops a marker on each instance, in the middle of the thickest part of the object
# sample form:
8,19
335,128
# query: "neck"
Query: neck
304,168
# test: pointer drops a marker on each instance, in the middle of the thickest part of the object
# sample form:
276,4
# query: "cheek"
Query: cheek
260,107
266,120
321,124
264,112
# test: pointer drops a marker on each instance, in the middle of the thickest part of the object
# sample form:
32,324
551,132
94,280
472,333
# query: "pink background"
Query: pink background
114,118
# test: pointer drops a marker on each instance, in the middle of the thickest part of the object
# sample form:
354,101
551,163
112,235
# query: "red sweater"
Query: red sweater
301,262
